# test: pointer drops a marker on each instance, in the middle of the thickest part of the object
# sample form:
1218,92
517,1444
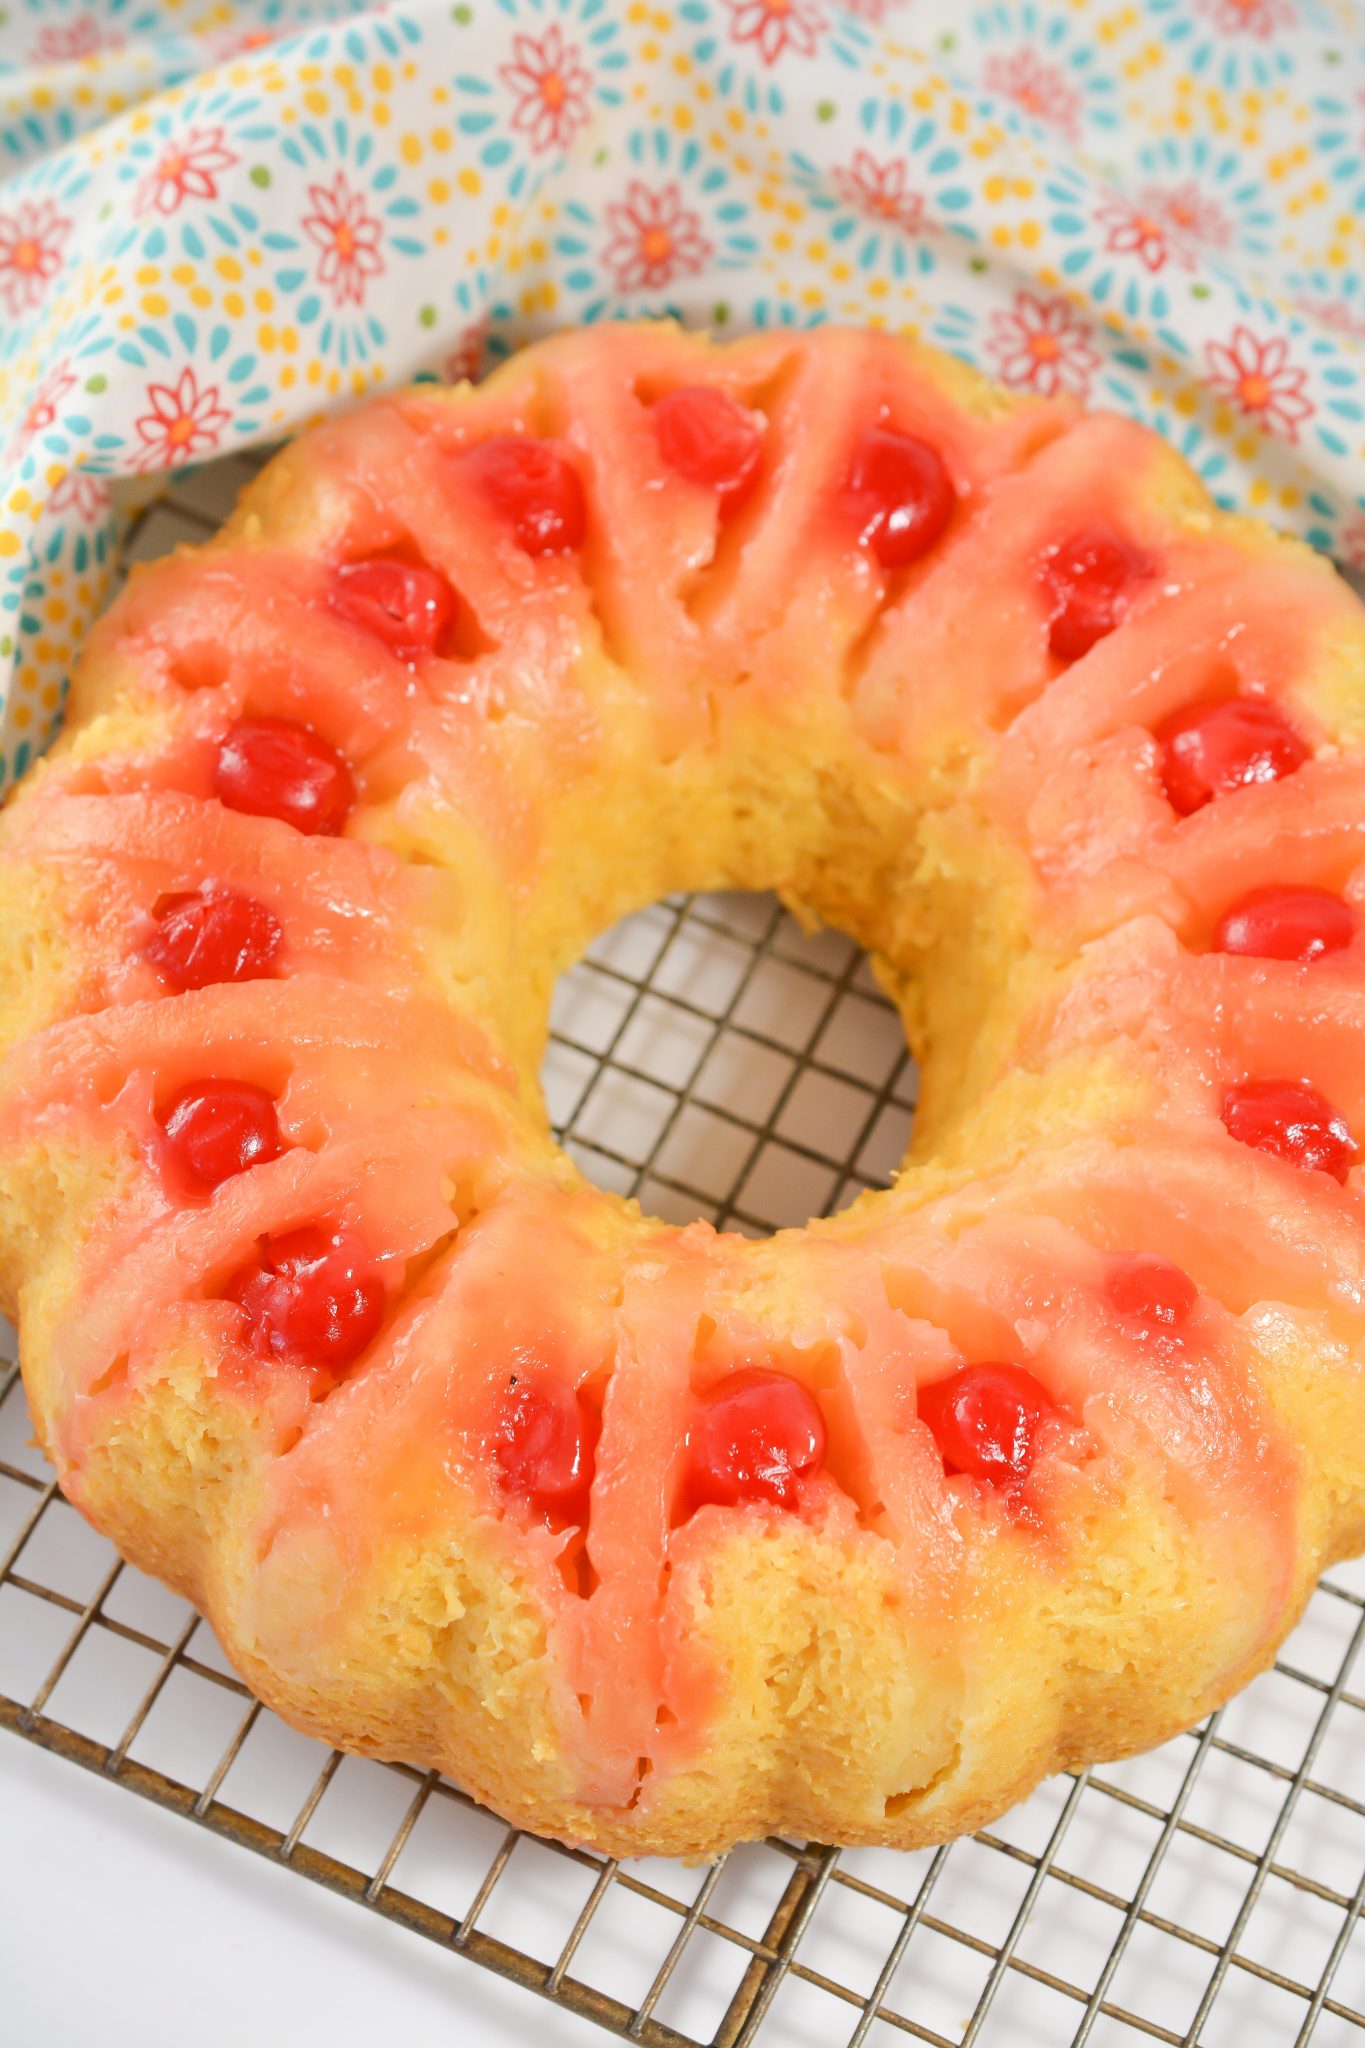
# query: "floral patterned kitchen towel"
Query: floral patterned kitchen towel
217,220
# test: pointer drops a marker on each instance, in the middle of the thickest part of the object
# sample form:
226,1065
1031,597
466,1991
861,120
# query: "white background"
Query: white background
128,1927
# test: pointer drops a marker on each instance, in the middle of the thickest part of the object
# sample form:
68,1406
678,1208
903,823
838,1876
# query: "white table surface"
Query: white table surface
125,1926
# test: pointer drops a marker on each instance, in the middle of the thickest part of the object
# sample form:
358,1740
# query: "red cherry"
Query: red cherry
709,439
903,494
1150,1292
314,1297
535,488
753,1437
987,1420
1286,924
214,1129
214,935
272,768
1088,579
407,605
541,1448
1291,1120
1213,748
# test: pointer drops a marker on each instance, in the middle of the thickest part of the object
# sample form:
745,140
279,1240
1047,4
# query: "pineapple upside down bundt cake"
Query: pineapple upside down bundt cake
657,1538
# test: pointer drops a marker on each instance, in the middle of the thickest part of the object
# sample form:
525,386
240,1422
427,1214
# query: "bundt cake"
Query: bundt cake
657,1538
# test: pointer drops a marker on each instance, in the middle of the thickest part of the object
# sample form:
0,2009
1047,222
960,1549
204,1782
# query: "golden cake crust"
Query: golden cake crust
683,705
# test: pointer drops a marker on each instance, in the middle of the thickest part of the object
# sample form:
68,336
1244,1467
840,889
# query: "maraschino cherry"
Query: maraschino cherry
313,1297
1214,748
534,488
709,439
902,494
408,605
1088,581
1151,1295
1300,924
541,1446
987,1421
1294,1122
213,935
754,1436
215,1129
274,768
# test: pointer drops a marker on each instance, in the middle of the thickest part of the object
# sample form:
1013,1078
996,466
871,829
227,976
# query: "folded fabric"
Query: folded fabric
215,222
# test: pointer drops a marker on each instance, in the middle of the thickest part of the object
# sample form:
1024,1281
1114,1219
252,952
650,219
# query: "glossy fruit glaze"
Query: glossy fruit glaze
408,605
754,1436
209,935
1286,924
1214,748
1292,1120
533,488
343,1201
988,1421
277,768
215,1129
542,1446
708,439
1089,579
313,1297
901,494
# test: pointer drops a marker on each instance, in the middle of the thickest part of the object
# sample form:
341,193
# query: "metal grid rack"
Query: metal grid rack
712,1059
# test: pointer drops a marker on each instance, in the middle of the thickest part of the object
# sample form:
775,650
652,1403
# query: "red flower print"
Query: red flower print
42,409
655,238
86,496
1038,89
83,37
465,360
1188,213
1042,345
183,422
185,170
873,11
31,241
1258,378
1258,18
551,85
881,191
776,25
1130,231
348,237
1339,316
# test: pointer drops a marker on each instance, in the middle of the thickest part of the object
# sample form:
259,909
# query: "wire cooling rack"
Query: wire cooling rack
710,1058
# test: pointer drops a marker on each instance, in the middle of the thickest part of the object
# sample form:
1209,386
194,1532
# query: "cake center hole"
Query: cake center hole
712,1059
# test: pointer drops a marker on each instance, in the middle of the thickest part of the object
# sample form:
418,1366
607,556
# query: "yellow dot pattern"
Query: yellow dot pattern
193,262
